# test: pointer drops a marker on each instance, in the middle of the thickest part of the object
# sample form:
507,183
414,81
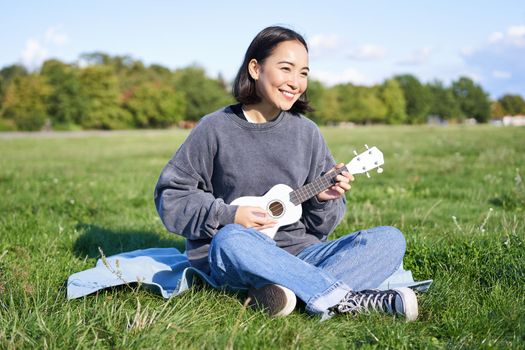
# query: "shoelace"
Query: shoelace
358,302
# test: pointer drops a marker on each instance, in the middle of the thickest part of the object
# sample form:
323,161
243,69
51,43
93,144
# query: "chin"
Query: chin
286,106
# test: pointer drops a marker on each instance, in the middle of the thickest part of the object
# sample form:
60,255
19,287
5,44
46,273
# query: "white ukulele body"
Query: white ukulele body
278,205
283,204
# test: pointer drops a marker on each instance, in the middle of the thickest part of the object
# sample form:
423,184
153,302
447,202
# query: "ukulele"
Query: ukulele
283,204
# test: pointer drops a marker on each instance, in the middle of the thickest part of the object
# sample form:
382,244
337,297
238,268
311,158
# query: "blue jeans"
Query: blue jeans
320,275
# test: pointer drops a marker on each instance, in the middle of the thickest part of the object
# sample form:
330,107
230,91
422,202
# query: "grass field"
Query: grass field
457,192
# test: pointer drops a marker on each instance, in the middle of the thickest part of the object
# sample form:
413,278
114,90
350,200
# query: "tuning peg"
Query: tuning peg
367,174
366,146
355,152
379,170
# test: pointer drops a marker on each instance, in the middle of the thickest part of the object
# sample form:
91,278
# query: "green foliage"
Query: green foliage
394,100
101,91
512,104
444,103
474,102
9,73
328,109
203,95
66,103
155,106
417,96
315,94
24,102
497,110
102,95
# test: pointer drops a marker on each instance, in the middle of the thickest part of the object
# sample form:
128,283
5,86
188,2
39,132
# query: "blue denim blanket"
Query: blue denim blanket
168,272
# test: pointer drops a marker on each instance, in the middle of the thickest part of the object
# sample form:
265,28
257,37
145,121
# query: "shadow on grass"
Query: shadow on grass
113,242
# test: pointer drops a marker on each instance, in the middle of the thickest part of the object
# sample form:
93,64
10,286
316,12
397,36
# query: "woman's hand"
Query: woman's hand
253,217
341,186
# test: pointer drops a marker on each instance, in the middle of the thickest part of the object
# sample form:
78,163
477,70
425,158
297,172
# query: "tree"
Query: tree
101,91
496,110
328,109
24,102
203,95
360,104
153,105
417,98
66,103
512,104
444,104
315,94
394,100
474,102
9,73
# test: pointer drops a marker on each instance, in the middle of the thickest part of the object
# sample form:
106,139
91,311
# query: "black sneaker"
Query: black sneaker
400,301
276,300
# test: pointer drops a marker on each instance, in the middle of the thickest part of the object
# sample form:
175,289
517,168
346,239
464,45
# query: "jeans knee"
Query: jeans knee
228,238
397,239
392,238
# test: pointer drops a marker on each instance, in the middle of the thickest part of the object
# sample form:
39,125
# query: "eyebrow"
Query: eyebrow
290,63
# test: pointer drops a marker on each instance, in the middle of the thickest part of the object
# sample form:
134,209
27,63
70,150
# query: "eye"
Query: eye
285,69
304,74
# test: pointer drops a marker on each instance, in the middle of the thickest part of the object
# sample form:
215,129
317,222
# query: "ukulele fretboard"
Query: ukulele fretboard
306,192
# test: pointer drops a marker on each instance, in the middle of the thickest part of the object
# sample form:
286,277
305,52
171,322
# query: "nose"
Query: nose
293,83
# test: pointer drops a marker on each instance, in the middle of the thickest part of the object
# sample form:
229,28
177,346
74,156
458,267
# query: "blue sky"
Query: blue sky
362,42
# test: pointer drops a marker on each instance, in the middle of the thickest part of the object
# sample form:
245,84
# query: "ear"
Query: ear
254,69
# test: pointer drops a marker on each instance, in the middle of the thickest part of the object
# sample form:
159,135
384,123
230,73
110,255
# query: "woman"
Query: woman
245,149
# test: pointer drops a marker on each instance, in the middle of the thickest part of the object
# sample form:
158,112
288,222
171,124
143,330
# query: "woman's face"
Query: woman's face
283,76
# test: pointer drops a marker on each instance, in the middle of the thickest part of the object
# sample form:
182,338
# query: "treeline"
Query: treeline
118,92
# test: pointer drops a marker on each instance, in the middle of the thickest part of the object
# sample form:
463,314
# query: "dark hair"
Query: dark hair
260,48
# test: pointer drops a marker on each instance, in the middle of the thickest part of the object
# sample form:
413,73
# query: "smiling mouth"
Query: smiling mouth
287,95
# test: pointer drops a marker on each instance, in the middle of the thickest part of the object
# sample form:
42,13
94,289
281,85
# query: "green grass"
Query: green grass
62,198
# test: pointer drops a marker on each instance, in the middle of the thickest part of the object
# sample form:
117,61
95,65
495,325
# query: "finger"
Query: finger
348,175
264,227
335,191
259,212
341,178
263,221
345,186
342,187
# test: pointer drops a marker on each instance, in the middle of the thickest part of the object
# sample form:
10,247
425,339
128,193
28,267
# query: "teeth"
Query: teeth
289,94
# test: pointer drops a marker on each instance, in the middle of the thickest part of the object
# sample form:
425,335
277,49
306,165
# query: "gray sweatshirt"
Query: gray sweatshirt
226,157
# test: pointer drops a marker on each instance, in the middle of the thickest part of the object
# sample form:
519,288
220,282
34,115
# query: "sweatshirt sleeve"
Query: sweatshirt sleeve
321,218
184,194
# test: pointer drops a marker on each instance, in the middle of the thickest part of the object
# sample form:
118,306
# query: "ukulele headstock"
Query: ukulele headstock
370,159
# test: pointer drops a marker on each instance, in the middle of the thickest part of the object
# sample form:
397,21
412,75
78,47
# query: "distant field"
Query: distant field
457,192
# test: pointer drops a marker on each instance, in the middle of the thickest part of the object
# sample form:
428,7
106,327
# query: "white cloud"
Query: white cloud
368,52
349,75
495,37
418,57
33,54
323,42
500,61
467,51
322,45
55,36
516,31
36,51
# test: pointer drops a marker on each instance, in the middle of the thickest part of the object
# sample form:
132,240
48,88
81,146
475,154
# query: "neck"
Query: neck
259,113
302,194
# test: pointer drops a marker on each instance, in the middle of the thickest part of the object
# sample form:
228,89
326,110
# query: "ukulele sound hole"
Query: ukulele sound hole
276,209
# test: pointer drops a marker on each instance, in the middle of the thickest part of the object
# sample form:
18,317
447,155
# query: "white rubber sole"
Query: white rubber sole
408,303
278,301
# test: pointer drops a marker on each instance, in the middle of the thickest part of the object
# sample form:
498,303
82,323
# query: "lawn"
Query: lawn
457,192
